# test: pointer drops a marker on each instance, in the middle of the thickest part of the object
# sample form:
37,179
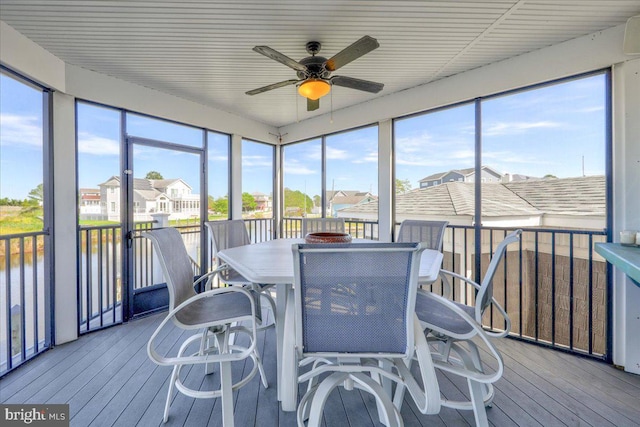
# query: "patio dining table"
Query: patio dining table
272,262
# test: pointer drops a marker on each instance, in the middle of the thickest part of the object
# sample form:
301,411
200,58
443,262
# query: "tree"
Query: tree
297,199
153,175
248,203
219,205
317,200
33,205
402,186
37,194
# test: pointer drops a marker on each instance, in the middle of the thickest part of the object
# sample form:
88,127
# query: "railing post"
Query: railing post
160,220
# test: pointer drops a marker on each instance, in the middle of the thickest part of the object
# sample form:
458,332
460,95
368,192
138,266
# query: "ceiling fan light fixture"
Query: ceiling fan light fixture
314,89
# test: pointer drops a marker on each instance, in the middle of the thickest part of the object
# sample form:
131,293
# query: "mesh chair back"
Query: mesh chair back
174,261
228,234
314,225
357,298
485,294
430,233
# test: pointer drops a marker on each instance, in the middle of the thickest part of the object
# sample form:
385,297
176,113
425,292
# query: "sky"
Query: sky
546,130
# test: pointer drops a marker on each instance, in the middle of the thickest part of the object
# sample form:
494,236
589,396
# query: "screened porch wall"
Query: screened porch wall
596,51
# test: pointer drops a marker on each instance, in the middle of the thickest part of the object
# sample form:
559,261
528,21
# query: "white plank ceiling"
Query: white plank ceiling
200,50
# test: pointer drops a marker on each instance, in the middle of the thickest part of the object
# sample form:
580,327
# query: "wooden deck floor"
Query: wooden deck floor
108,380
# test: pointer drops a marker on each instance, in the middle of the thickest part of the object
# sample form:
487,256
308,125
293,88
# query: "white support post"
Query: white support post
236,176
385,181
65,204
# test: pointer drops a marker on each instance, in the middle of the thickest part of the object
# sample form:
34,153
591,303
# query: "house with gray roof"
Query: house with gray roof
560,202
342,199
461,175
172,196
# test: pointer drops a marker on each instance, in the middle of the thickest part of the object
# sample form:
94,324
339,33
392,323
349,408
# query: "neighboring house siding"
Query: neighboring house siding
452,176
172,196
461,175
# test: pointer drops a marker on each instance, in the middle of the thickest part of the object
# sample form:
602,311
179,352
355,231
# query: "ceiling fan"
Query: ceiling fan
314,71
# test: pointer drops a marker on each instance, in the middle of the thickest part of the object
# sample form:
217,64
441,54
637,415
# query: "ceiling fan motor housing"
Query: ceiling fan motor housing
315,68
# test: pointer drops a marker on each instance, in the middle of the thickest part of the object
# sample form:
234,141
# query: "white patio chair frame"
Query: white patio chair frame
216,336
232,277
314,225
452,357
364,370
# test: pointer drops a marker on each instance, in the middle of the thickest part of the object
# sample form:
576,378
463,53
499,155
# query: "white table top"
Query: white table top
272,261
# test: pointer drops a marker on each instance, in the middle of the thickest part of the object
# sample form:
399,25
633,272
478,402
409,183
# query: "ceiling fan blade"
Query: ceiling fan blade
272,86
280,57
359,84
313,105
365,45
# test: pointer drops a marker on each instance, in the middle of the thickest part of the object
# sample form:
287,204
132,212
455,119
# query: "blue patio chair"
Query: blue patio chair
448,324
231,234
219,315
355,320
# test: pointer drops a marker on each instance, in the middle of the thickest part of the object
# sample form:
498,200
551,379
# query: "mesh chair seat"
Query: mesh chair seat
441,318
221,309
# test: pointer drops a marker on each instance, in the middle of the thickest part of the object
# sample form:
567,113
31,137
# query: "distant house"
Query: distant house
263,201
89,204
342,199
172,196
561,202
461,175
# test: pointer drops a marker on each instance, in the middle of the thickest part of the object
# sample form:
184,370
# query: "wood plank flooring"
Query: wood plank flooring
108,380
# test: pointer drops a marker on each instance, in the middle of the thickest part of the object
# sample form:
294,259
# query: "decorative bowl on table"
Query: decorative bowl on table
327,237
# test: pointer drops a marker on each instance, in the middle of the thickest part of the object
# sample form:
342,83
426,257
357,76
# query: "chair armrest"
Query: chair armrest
478,331
443,273
169,361
506,318
209,277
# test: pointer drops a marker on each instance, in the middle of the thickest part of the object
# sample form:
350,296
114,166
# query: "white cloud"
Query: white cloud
336,154
594,109
511,128
97,145
298,169
255,161
511,157
370,157
20,130
220,158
